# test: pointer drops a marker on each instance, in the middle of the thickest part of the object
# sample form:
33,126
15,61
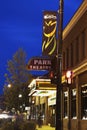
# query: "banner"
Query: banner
49,42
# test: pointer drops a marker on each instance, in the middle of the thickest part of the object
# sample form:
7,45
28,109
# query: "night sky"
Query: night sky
21,27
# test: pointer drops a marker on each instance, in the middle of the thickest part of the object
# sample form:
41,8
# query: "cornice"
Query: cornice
78,70
82,9
81,68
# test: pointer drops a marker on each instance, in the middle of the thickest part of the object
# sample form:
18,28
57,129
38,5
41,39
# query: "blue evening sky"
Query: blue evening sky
21,27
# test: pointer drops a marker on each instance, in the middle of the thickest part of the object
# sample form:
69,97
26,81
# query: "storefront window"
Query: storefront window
84,101
73,103
65,104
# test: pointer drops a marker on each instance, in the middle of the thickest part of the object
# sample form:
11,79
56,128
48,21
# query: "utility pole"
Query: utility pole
59,116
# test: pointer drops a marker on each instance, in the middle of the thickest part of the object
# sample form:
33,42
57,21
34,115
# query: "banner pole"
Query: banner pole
59,114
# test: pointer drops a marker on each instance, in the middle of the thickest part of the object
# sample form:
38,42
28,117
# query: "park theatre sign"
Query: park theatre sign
39,63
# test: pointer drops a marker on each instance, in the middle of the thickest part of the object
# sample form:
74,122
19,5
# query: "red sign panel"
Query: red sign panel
39,63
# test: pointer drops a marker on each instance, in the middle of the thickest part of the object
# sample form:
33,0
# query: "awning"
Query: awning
41,87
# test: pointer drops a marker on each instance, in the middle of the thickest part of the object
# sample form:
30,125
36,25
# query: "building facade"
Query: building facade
75,59
43,99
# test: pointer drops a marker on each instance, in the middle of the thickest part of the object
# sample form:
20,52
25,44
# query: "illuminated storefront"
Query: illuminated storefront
42,91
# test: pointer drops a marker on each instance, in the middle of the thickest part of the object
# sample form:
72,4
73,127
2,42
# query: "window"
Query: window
65,104
77,49
73,103
83,44
71,55
63,60
84,101
67,58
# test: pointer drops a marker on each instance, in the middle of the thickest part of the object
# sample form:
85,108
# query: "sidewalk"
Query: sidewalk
46,127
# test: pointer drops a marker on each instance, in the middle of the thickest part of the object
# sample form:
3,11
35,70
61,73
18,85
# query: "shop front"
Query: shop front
41,91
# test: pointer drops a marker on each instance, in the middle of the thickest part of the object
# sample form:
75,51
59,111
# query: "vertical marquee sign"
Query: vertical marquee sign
49,43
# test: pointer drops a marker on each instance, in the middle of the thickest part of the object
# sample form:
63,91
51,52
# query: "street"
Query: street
46,127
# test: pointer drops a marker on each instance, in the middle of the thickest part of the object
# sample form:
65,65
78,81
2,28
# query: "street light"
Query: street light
69,83
9,86
59,118
69,76
20,101
20,95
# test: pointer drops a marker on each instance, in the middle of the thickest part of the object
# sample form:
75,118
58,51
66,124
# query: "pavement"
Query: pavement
46,127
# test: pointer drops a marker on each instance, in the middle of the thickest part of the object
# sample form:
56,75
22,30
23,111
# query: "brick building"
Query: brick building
75,59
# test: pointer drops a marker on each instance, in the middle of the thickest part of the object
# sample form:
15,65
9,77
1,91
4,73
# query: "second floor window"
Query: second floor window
83,44
63,60
67,58
71,55
77,49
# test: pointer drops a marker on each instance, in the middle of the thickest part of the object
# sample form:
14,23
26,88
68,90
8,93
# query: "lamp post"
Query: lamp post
69,83
59,116
20,101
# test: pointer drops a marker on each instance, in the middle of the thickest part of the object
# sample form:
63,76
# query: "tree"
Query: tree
19,78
